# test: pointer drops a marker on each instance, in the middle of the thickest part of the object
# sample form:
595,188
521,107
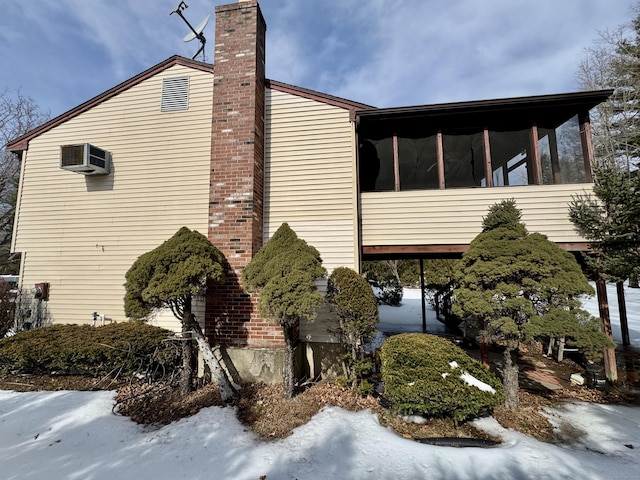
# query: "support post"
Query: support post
424,310
622,309
610,368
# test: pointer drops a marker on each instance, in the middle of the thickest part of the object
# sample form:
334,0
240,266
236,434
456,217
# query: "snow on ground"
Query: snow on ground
74,435
408,316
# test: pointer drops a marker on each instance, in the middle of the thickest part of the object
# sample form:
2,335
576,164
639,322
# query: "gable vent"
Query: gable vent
175,94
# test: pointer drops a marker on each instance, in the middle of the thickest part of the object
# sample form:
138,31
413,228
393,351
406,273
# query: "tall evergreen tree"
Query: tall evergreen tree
509,278
284,272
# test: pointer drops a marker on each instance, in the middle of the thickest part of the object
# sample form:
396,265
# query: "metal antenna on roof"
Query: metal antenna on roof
195,32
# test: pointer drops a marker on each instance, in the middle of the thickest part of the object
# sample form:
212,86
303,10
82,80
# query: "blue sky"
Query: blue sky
380,52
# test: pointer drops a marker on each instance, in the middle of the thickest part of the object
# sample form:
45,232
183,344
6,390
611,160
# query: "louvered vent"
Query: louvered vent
175,94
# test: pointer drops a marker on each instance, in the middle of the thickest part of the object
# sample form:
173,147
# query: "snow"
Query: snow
75,435
408,316
474,382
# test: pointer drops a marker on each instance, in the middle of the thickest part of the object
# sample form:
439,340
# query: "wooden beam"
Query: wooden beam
488,172
424,311
610,367
404,250
587,145
534,153
396,164
440,154
433,250
622,310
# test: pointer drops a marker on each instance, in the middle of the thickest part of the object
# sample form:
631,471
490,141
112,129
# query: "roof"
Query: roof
21,143
482,113
318,96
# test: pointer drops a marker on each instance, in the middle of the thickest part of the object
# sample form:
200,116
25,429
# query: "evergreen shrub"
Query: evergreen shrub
427,375
352,299
389,292
127,347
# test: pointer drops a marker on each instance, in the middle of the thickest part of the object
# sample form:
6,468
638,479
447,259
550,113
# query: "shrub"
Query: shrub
389,292
427,375
356,307
131,347
7,307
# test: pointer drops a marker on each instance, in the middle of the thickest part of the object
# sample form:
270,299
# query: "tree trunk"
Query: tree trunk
288,379
187,358
510,378
227,390
561,344
484,347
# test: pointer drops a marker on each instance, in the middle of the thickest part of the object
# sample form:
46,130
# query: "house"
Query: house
225,151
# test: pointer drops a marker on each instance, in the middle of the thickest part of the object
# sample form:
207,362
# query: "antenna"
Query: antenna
195,32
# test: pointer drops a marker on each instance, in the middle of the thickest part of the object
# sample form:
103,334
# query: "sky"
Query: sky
385,53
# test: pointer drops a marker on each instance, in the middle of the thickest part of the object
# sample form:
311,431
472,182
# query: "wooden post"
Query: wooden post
622,309
396,164
610,368
424,311
488,169
440,156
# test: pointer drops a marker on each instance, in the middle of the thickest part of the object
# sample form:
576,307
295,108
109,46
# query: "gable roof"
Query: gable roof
18,145
318,96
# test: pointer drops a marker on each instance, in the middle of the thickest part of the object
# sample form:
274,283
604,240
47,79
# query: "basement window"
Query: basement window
175,94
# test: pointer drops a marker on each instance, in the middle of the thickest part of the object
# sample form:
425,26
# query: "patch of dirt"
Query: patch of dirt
159,403
33,383
270,415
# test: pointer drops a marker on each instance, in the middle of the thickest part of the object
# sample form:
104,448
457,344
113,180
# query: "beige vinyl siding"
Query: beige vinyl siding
81,234
454,216
309,175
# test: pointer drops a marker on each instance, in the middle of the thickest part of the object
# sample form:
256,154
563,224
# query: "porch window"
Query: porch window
463,160
561,153
511,157
418,162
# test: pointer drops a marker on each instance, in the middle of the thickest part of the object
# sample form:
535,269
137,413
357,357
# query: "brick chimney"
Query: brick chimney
237,172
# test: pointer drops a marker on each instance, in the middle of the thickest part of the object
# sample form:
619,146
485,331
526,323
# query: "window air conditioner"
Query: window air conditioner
85,158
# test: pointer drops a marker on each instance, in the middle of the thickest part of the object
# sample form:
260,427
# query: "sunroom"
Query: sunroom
428,174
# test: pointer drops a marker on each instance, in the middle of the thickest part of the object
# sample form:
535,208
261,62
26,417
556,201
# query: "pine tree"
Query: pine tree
610,222
284,272
509,278
169,276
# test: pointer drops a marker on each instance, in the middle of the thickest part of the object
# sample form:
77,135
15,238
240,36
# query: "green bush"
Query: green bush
131,346
389,292
356,307
421,378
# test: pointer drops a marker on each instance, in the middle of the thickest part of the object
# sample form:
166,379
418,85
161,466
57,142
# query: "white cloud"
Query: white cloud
380,52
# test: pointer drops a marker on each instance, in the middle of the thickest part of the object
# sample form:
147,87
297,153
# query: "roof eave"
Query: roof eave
588,99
